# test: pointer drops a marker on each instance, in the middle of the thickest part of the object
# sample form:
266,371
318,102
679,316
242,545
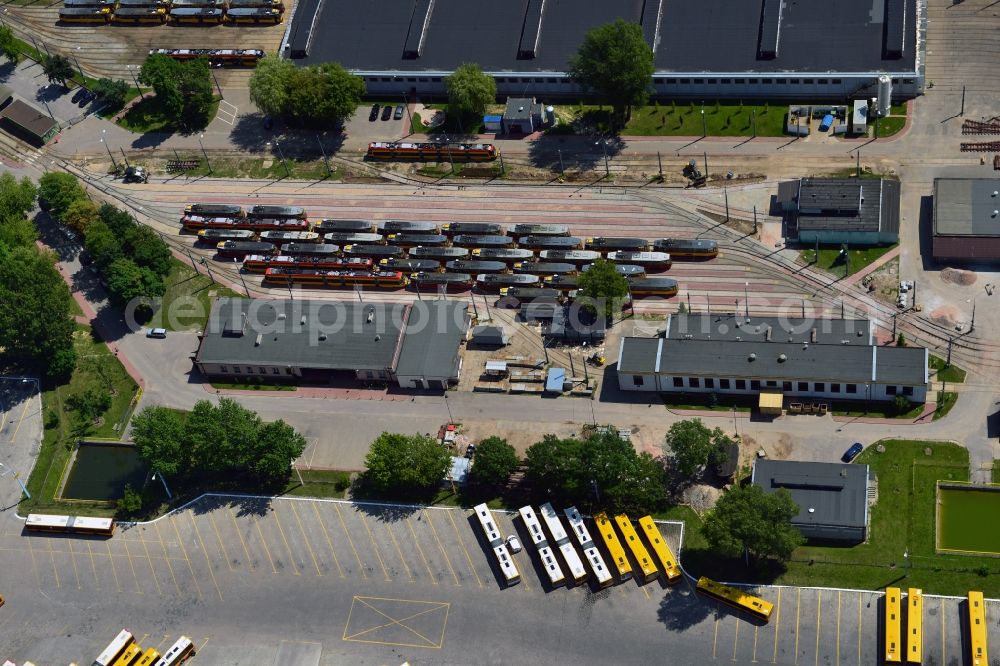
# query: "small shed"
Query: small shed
496,368
727,468
458,470
523,115
555,381
859,118
771,402
493,123
532,312
28,123
490,336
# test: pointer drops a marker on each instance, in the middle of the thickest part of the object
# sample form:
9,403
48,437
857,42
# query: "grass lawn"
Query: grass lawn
880,410
722,403
946,373
945,401
251,386
831,261
270,168
188,300
901,521
996,471
149,116
318,483
96,366
889,126
74,308
725,118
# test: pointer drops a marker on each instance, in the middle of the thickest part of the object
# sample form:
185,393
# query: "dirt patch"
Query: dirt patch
946,315
958,276
701,497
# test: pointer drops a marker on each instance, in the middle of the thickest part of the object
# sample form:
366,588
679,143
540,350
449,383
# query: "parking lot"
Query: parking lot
335,579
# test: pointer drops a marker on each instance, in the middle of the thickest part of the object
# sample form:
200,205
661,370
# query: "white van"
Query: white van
156,332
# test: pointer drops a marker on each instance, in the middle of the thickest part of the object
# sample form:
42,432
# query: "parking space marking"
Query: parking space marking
152,570
715,634
392,537
736,636
305,538
34,564
819,610
420,551
52,559
204,551
200,648
387,609
180,544
427,519
111,562
798,599
371,537
329,541
131,565
281,531
166,556
944,655
753,655
263,542
461,542
343,525
239,534
222,544
72,559
93,566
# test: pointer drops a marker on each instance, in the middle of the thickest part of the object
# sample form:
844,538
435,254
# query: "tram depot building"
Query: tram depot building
414,345
750,49
966,226
773,358
835,211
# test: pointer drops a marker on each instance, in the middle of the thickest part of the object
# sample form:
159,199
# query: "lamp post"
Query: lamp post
240,272
80,69
136,81
17,477
604,146
205,153
746,298
104,134
281,155
704,121
326,160
163,480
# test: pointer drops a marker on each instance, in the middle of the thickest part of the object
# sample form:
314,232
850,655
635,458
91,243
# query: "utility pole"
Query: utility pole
659,161
962,112
319,140
17,477
288,283
209,269
108,148
83,76
725,191
704,121
503,169
859,163
972,324
948,360
803,301
753,122
194,264
755,218
475,309
746,297
689,301
217,86
205,153
240,272
136,81
487,302
124,156
894,325
284,163
562,168
705,154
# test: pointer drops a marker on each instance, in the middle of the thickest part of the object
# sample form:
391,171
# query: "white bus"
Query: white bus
43,522
548,558
507,566
115,648
561,539
593,556
179,652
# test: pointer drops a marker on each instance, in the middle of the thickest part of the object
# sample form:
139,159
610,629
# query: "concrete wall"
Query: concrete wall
851,238
632,382
264,372
832,532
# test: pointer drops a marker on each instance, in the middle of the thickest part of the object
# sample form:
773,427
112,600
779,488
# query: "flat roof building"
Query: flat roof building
737,327
415,345
832,497
28,123
966,223
723,48
835,211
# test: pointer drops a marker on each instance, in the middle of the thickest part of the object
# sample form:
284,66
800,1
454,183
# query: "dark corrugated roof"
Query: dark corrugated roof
967,248
639,354
838,204
782,329
29,118
836,493
434,330
964,206
710,36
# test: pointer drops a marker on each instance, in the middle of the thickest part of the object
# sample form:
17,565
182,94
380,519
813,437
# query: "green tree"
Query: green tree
470,90
183,89
277,445
127,281
17,197
160,73
901,340
160,438
555,464
615,61
8,45
148,250
113,92
90,403
57,190
17,232
324,94
79,215
102,245
602,288
269,85
641,488
405,463
693,446
119,221
748,520
495,461
57,68
131,501
35,323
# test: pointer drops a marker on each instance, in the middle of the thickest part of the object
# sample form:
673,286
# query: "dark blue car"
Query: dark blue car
853,452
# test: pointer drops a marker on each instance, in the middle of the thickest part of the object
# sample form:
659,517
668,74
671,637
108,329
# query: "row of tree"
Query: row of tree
212,440
314,96
36,327
183,89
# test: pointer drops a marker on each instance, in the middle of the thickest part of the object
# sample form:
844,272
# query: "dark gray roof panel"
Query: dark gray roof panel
835,493
417,29
895,28
964,206
770,29
843,204
434,330
901,365
531,32
769,329
639,354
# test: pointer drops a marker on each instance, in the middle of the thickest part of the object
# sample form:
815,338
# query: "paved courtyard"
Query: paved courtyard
297,581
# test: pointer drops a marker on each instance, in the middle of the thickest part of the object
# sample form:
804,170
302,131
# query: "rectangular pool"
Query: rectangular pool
100,472
965,516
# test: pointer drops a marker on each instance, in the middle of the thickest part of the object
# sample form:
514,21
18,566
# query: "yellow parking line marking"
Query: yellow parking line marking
93,566
236,526
468,556
361,566
753,656
427,518
859,630
388,528
291,555
393,621
329,541
263,542
798,598
944,654
736,637
20,420
371,537
166,556
143,639
204,552
305,538
34,562
72,559
128,555
777,624
839,593
222,544
111,561
421,552
152,571
819,610
645,591
200,648
180,544
715,635
159,646
52,559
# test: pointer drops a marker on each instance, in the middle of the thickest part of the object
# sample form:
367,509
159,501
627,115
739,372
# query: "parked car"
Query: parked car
514,544
374,113
86,99
386,112
853,452
470,451
135,174
268,122
399,112
156,332
76,96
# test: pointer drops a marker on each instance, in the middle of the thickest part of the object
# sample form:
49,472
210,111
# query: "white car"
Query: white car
514,544
156,332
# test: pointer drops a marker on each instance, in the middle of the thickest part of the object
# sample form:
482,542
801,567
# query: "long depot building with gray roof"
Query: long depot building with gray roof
717,48
790,358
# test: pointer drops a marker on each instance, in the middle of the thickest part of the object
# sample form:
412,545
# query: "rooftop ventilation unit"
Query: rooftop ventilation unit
753,356
782,358
531,30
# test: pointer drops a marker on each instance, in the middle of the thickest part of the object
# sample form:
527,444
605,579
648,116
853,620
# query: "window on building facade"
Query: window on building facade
772,384
835,82
803,386
754,385
890,390
249,370
834,388
724,384
793,82
725,81
820,387
766,82
678,382
637,380
709,382
741,385
807,82
236,369
698,82
275,371
694,382
786,386
739,82
907,390
852,388
223,368
822,82
288,371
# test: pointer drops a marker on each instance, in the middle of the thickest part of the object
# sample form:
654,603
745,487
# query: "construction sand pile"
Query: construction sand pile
958,276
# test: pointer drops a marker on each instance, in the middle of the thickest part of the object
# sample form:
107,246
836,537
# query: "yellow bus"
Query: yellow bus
661,550
893,653
115,648
615,550
914,625
977,629
148,657
736,598
130,655
639,552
